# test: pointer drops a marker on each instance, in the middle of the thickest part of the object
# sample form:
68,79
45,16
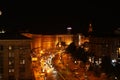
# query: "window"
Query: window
11,62
11,70
1,77
22,54
10,47
1,63
1,70
11,54
1,48
1,59
22,61
22,69
11,77
118,52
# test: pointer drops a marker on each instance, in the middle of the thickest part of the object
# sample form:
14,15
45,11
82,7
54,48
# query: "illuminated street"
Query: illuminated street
43,68
52,67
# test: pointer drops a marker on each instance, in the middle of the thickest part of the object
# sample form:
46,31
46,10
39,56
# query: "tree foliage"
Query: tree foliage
106,64
77,53
71,48
81,54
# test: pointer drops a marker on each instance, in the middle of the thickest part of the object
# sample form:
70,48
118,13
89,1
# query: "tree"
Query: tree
81,54
71,48
77,53
106,64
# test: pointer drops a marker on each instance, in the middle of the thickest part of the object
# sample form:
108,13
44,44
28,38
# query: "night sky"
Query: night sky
39,17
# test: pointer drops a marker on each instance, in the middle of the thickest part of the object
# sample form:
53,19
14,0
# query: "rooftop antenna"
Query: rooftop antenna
90,29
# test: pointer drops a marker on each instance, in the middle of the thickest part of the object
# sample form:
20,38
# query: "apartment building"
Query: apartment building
15,62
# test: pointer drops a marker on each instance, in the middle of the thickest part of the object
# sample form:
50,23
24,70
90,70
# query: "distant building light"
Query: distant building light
79,37
2,31
34,59
69,28
10,47
114,60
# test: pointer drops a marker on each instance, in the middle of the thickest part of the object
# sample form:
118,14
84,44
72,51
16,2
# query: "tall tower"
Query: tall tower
90,46
90,29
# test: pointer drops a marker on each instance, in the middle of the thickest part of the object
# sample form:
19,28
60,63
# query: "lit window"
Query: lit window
100,60
10,47
11,54
22,61
11,70
118,52
11,62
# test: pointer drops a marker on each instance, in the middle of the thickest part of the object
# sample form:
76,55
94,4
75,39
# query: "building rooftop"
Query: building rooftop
12,36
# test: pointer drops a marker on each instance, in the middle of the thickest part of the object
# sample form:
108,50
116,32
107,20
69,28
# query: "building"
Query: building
103,44
43,45
15,62
49,41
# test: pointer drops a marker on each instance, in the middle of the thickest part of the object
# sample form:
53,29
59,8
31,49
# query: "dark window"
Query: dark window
1,70
22,79
1,48
11,78
11,62
22,69
1,63
22,54
1,77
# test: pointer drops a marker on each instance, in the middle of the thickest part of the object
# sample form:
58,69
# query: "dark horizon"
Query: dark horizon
20,16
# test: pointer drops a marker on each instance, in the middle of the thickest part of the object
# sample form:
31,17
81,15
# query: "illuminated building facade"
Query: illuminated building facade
53,42
49,41
15,62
